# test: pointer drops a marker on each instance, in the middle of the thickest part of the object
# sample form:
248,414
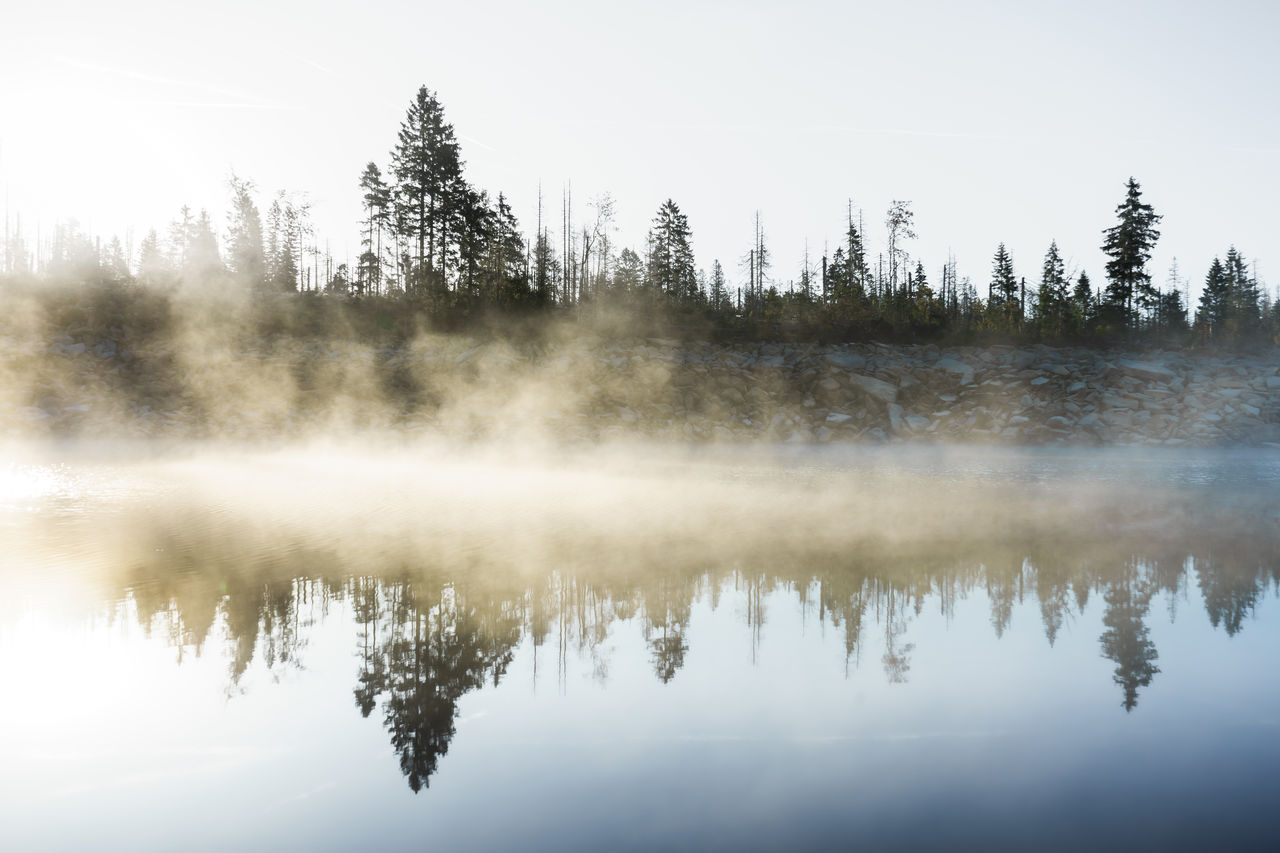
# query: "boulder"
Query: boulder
873,387
955,365
1150,371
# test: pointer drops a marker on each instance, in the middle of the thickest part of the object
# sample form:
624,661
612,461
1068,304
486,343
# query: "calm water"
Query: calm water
415,650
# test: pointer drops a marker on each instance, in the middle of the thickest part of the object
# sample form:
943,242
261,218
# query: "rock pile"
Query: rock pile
662,389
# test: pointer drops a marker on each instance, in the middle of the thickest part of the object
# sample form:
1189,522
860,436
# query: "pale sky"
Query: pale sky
1000,121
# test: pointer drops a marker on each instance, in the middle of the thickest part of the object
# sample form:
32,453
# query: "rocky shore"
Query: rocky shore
593,390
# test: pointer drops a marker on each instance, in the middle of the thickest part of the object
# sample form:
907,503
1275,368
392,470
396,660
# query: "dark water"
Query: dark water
907,650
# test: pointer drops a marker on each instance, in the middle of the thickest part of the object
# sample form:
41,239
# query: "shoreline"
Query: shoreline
595,390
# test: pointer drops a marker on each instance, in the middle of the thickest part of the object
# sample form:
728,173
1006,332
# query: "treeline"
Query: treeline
434,246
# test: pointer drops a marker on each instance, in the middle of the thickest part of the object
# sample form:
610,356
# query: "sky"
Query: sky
1004,122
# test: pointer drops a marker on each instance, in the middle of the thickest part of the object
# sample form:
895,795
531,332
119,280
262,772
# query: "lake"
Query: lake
338,648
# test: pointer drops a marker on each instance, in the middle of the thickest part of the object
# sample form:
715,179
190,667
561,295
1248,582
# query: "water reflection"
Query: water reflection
442,602
427,636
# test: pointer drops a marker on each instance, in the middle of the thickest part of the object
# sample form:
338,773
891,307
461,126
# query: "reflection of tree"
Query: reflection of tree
438,653
426,638
373,672
1126,639
897,655
667,606
1230,590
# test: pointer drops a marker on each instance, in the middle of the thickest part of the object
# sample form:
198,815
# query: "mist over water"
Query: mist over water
687,647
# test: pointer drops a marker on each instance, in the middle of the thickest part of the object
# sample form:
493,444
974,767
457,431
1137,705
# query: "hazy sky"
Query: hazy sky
1011,121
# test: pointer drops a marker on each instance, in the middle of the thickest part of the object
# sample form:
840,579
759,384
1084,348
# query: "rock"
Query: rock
838,418
917,423
1273,383
954,365
1039,380
1059,422
1151,371
873,387
847,360
896,423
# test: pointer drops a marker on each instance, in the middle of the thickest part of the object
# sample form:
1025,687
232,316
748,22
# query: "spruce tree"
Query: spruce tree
1242,308
1051,297
719,292
1003,294
376,196
1211,315
671,267
628,272
427,170
245,255
1128,244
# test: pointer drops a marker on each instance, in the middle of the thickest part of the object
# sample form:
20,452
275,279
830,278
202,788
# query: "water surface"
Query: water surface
347,649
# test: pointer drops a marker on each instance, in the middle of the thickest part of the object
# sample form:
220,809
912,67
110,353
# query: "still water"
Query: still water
419,649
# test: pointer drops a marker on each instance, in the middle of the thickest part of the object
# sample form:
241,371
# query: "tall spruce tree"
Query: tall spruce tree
245,255
376,197
1051,297
1211,314
427,170
671,267
1004,287
1128,244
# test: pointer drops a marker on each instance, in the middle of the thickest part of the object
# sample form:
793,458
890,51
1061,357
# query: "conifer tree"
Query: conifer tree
245,254
427,169
1051,297
1083,308
153,266
719,291
1004,286
671,267
628,272
376,196
1211,315
1128,244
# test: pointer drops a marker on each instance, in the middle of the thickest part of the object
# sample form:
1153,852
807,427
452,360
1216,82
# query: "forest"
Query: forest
437,252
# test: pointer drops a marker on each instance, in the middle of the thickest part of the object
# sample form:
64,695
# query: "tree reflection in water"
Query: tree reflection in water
439,617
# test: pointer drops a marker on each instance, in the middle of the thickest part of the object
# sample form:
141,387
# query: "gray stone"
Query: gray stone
847,360
917,423
873,387
896,423
838,418
1151,371
954,365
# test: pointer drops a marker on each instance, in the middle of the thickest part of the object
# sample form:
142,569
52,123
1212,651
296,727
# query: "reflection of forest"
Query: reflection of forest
430,633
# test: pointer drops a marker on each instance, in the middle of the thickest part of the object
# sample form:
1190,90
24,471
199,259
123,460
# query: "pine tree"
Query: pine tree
428,170
1128,244
671,268
1242,309
1051,297
376,196
153,265
1003,293
245,255
203,259
719,292
628,272
1211,315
